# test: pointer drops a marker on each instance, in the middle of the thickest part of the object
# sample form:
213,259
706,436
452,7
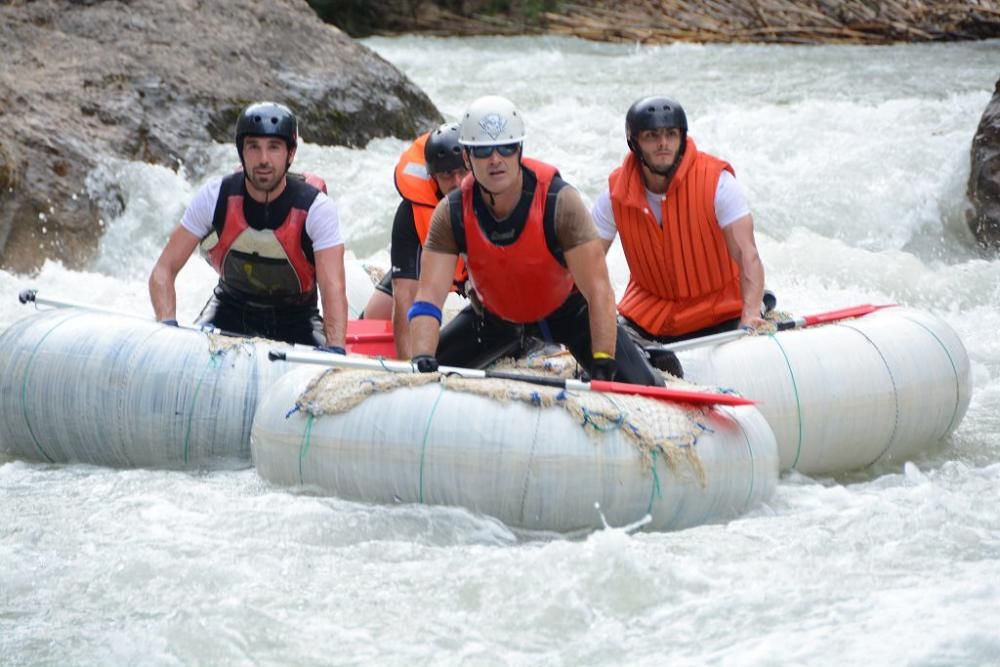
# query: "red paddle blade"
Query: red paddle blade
371,337
669,394
843,314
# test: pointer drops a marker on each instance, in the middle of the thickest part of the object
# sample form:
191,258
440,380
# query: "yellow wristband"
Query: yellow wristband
601,355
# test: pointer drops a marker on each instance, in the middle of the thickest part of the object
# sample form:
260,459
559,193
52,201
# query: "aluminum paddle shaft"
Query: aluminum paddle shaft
661,393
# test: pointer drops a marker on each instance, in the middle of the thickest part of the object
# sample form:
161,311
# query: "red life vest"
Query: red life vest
315,181
261,262
682,277
416,186
521,282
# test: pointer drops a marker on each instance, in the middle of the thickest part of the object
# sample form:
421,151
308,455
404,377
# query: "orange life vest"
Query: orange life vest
682,277
523,281
267,262
418,187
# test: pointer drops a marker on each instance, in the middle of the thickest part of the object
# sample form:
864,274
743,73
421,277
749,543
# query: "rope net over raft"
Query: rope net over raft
657,428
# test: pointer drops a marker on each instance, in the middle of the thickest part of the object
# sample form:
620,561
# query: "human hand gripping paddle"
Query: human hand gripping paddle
781,325
661,393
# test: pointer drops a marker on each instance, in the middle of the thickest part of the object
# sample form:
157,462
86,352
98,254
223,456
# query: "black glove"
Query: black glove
333,349
603,368
425,363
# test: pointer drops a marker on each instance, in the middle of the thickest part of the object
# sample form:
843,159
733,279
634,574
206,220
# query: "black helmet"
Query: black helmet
652,113
267,119
442,151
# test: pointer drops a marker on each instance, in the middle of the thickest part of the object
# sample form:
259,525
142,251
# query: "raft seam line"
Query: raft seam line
531,458
212,363
798,402
423,445
304,445
24,386
753,467
895,394
654,490
954,370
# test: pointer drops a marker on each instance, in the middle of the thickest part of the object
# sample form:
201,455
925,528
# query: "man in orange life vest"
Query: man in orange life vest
273,239
686,231
533,256
429,169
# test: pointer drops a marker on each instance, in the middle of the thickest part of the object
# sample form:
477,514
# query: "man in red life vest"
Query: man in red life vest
534,259
274,240
686,231
429,169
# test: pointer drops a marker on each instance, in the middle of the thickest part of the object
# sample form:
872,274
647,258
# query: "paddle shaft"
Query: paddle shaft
661,393
31,295
783,325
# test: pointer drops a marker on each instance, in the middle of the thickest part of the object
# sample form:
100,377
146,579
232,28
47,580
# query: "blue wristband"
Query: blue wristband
421,308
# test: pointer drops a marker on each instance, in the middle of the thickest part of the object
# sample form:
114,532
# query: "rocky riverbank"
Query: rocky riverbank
661,21
984,177
84,82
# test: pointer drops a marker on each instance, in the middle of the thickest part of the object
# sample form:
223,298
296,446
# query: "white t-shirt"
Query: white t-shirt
322,221
730,206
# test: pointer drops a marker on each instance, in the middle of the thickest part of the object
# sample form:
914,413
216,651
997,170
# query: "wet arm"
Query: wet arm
743,249
332,285
437,270
162,279
404,292
590,272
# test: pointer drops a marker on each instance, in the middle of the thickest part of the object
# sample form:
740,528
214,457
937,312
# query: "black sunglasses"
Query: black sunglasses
505,150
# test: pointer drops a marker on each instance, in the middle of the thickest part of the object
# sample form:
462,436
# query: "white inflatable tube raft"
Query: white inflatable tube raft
530,466
85,386
880,388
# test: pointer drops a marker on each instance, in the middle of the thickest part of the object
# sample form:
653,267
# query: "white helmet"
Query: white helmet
491,120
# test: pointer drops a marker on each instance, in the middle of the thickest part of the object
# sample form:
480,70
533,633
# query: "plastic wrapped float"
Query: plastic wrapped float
92,387
884,387
536,458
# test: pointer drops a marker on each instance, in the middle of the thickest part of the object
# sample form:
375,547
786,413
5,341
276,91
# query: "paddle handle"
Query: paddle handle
385,337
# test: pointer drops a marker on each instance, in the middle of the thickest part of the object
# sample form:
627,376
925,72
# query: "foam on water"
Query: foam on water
855,162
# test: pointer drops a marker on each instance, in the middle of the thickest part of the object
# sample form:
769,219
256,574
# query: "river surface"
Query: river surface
855,161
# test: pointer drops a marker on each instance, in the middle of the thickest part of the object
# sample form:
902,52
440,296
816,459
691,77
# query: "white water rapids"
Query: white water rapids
855,161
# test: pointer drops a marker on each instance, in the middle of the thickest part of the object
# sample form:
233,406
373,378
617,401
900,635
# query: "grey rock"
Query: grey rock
984,177
87,80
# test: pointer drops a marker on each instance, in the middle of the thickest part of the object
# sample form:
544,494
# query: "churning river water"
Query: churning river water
855,161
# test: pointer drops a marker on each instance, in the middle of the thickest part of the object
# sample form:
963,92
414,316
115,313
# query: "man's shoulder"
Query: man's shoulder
714,161
213,184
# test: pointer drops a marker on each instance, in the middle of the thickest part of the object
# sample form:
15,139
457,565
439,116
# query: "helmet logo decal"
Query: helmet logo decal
493,124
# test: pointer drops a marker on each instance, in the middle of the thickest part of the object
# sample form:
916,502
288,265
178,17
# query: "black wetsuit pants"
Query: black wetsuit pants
288,323
472,340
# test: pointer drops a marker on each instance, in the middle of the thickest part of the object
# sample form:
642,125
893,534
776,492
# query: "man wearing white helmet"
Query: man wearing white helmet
533,256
